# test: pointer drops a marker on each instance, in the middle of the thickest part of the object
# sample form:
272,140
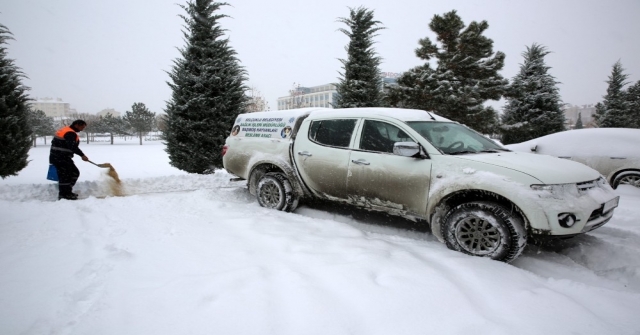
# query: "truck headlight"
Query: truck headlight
556,191
542,187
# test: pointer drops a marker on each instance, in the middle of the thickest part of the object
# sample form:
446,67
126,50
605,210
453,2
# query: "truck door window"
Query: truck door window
381,136
335,133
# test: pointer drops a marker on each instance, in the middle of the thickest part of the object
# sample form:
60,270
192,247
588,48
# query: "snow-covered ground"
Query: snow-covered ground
191,254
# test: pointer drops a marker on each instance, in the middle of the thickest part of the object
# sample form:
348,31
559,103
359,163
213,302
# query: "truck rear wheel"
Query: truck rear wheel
485,229
274,191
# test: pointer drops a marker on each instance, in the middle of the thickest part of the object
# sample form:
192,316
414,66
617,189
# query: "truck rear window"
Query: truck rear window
335,133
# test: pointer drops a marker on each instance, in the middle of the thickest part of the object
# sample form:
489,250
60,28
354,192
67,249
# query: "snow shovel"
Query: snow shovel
103,165
112,173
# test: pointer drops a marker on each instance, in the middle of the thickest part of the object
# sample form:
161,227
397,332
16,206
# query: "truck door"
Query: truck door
321,152
379,178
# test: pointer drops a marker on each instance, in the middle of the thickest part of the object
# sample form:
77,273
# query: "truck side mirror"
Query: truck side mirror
534,148
407,149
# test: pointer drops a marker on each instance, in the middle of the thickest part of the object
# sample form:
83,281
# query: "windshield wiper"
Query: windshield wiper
494,150
463,152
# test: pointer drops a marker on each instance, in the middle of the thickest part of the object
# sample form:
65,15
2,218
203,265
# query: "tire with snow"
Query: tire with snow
274,191
485,229
627,178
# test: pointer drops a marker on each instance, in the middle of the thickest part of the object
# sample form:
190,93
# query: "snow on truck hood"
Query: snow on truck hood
547,169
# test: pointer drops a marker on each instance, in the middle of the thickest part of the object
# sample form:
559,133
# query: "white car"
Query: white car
614,152
478,197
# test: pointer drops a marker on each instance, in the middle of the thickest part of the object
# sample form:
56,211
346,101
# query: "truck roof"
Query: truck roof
401,114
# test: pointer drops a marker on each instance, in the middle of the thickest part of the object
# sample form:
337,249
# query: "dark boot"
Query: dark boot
68,196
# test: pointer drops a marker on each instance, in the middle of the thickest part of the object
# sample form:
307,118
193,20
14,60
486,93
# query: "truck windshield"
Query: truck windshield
454,139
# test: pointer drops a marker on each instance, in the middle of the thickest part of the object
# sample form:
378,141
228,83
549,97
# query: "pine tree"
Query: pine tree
41,125
613,111
140,118
633,105
533,106
15,131
466,74
361,82
599,113
578,124
208,91
111,125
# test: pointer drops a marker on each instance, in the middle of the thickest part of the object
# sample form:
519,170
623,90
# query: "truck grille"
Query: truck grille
597,219
595,214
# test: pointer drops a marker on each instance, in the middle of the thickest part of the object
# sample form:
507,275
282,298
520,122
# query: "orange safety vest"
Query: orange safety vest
60,133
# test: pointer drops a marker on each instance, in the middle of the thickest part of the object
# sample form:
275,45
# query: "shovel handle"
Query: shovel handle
98,165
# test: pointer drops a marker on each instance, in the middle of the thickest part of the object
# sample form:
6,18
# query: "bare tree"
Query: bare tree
161,122
257,102
296,97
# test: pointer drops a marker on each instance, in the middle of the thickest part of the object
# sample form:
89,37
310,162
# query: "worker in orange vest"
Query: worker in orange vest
64,145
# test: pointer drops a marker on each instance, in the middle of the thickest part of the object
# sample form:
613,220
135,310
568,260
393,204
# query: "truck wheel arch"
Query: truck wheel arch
449,201
262,168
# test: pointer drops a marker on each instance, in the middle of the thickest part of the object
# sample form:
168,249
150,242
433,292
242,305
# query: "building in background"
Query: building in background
106,111
323,95
389,79
55,108
586,113
316,96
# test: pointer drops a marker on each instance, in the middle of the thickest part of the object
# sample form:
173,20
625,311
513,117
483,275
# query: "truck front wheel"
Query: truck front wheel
485,229
274,191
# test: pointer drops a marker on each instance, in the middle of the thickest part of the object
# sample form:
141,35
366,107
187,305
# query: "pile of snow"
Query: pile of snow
192,254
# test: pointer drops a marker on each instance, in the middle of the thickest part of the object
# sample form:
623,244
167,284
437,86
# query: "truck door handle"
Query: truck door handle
304,153
360,162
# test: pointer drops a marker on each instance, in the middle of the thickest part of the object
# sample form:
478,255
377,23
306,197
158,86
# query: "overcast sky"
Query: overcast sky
111,53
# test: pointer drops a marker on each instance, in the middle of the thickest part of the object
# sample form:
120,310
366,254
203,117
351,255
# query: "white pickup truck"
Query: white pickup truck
478,197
